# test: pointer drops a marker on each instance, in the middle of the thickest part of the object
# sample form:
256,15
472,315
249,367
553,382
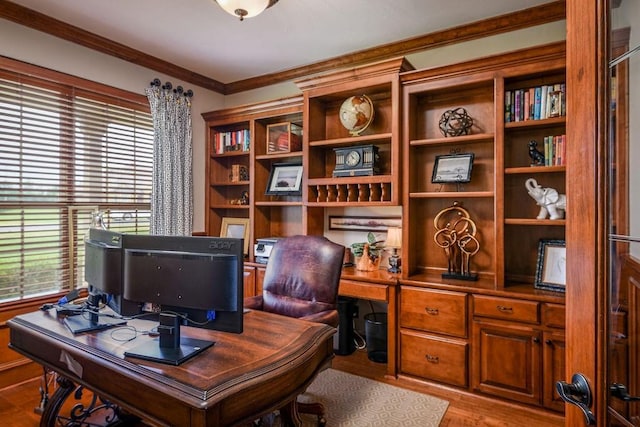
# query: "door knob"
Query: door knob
620,391
577,393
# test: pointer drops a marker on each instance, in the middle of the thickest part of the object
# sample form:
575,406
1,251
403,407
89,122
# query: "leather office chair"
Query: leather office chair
301,280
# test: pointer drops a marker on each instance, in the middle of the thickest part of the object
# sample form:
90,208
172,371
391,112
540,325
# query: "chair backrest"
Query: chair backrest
302,276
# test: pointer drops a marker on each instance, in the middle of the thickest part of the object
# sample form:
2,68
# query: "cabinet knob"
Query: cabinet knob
432,359
536,340
504,309
548,342
432,311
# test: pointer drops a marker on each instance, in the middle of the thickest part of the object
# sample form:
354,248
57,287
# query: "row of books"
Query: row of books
554,150
239,140
535,103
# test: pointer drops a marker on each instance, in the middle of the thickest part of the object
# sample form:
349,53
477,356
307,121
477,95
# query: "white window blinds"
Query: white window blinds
65,151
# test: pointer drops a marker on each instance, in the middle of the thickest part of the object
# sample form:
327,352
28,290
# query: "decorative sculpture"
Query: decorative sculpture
455,234
455,122
551,203
537,158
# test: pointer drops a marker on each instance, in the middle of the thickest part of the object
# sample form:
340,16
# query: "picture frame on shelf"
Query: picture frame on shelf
551,269
364,223
555,103
237,228
452,168
285,179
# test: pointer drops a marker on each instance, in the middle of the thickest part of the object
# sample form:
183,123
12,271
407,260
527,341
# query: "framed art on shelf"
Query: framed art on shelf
364,223
551,271
452,168
237,228
285,179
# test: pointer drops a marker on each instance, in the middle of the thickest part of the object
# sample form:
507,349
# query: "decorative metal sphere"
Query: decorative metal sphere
455,122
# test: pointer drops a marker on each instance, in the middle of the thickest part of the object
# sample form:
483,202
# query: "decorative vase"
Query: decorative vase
365,263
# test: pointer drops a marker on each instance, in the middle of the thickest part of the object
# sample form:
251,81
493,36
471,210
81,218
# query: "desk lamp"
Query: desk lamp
394,241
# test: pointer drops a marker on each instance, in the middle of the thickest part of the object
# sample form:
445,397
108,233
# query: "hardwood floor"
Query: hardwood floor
17,403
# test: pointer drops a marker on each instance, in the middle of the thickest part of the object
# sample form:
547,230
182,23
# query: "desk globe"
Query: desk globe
356,114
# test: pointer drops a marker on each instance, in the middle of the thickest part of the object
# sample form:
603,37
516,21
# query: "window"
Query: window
67,148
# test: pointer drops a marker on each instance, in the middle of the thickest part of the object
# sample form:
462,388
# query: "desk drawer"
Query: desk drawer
505,308
433,310
553,315
438,359
363,290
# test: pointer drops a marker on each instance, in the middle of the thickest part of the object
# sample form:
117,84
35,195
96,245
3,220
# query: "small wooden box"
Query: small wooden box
284,138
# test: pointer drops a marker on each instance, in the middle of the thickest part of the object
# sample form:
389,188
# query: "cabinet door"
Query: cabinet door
553,368
507,361
259,279
249,281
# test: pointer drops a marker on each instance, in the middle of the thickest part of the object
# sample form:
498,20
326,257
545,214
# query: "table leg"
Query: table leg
290,415
89,409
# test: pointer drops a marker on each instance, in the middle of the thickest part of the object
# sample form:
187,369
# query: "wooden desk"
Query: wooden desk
379,285
240,378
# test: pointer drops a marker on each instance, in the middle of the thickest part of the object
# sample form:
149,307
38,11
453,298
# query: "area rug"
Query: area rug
351,400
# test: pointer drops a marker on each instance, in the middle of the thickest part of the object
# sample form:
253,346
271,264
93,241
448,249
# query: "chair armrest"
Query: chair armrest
328,317
254,302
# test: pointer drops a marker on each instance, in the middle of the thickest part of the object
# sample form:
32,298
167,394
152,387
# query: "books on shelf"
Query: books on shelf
535,103
554,150
224,142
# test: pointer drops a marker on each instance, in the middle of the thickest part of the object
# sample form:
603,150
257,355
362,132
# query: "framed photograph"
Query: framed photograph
555,103
364,223
285,179
237,228
551,271
452,168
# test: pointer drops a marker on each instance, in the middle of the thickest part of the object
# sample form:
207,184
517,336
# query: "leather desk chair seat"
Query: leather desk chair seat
301,280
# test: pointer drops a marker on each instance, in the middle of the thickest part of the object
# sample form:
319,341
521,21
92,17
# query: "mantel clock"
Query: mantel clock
359,160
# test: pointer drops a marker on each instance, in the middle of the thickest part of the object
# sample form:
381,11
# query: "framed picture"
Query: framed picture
364,223
551,271
452,168
285,179
237,228
555,103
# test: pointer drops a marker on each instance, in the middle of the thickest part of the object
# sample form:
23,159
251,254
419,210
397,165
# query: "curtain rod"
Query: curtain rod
168,86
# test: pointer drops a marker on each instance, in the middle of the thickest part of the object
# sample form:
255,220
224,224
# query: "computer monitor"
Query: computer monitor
196,281
103,274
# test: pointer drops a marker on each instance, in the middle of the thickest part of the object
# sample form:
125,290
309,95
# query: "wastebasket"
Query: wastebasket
375,330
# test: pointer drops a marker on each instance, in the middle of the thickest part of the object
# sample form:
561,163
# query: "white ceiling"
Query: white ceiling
198,35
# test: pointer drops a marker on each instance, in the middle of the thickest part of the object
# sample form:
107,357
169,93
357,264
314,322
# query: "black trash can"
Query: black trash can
375,329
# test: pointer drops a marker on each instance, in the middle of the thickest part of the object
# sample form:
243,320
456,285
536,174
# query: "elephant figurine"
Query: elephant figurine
551,203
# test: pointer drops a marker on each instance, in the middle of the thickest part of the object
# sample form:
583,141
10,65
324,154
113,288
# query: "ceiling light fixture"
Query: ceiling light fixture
245,8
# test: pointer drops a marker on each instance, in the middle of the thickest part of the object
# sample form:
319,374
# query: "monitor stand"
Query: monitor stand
170,349
78,323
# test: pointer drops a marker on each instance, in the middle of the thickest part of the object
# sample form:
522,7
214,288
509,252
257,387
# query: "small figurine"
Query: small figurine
551,203
537,158
244,199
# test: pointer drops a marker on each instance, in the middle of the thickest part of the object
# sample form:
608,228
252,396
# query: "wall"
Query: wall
25,44
31,46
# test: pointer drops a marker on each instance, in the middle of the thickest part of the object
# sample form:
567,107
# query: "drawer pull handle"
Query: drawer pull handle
432,311
505,309
432,359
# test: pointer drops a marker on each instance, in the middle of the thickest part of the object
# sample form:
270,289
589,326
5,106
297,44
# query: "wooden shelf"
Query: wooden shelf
351,140
536,123
534,169
465,139
535,222
451,195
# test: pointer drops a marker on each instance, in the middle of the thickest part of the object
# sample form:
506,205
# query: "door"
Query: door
586,228
602,252
623,280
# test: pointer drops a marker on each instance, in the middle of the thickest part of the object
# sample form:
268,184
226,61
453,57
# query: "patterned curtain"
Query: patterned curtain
172,187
